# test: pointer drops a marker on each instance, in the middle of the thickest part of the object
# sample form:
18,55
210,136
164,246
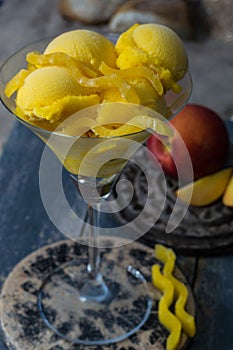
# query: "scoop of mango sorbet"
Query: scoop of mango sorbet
154,46
82,68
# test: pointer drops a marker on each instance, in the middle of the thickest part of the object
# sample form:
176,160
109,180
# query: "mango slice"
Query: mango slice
205,190
228,194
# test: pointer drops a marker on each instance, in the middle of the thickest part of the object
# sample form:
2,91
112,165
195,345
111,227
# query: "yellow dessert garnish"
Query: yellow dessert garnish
84,75
167,80
60,59
16,82
168,258
109,81
81,68
166,317
129,73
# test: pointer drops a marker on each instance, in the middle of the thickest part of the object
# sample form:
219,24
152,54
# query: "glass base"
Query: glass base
109,312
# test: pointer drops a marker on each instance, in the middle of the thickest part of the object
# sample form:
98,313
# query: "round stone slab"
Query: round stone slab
24,329
203,230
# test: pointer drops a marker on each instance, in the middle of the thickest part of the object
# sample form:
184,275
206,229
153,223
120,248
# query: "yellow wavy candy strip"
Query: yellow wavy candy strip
16,82
36,60
167,79
168,258
60,58
166,317
110,81
139,71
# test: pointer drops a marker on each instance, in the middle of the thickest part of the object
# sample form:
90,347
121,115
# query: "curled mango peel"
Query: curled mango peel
139,71
84,75
16,82
180,296
110,81
61,59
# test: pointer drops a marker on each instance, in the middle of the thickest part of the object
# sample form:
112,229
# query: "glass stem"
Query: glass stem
93,267
94,288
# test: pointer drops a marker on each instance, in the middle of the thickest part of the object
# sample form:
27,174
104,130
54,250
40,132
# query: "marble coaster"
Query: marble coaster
24,329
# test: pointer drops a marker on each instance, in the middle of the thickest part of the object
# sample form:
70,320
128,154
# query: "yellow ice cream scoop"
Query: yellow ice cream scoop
51,93
155,46
88,47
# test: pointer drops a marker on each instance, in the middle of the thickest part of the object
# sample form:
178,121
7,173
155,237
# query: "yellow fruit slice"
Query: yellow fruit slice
205,190
16,82
112,81
139,71
60,59
228,194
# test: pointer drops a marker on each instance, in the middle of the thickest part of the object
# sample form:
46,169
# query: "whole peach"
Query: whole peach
206,139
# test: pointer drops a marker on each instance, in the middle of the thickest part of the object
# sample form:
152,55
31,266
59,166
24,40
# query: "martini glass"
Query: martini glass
93,301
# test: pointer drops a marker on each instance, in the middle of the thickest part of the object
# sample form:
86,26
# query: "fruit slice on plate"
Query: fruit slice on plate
205,190
228,194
